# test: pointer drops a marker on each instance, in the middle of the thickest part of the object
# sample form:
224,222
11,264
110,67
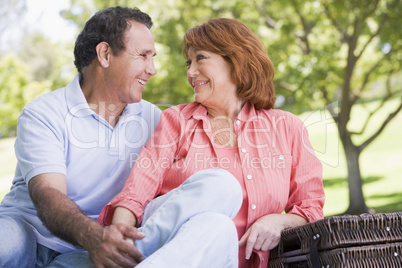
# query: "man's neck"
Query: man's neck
102,103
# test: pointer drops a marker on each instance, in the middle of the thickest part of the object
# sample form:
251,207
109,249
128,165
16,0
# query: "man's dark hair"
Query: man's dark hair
108,25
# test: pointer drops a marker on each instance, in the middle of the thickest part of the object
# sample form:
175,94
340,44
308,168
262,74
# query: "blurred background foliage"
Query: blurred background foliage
303,37
328,54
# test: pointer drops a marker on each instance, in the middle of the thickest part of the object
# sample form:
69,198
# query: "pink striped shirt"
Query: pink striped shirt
274,162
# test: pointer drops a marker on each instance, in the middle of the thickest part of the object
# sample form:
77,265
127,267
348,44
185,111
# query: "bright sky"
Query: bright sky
44,15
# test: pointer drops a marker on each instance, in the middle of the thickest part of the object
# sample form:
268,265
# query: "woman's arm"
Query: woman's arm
306,194
124,216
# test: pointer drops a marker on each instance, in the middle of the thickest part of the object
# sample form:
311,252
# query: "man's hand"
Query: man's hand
107,247
265,233
116,248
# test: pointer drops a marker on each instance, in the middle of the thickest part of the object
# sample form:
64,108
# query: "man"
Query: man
75,148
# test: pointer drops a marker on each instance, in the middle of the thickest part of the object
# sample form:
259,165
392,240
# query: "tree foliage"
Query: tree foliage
307,48
28,68
13,80
10,14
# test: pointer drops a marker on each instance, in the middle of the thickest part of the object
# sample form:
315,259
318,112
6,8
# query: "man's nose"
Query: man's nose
151,70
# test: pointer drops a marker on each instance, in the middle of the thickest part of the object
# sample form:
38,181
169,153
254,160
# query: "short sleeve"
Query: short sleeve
39,146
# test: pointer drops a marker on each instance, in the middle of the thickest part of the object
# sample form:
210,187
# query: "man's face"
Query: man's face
132,68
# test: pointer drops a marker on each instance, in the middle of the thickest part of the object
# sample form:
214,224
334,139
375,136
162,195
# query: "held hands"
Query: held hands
264,234
116,249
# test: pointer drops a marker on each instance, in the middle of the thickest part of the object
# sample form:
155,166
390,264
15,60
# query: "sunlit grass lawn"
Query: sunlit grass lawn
7,164
381,162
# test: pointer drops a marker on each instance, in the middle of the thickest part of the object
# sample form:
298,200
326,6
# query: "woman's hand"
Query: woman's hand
265,233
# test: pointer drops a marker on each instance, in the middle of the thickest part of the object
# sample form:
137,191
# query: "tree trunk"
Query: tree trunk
357,203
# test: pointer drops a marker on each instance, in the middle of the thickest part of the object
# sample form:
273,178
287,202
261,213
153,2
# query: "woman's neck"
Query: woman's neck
231,110
222,123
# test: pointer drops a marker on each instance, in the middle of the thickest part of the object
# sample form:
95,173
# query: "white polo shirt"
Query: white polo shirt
59,133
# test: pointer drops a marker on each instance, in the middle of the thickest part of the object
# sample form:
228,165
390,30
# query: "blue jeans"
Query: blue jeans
74,259
19,248
191,226
18,244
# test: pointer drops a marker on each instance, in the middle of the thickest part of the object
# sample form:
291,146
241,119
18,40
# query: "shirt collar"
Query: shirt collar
132,108
195,110
77,104
247,113
198,111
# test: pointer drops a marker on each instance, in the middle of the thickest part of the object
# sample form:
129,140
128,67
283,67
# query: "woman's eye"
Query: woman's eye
188,63
200,57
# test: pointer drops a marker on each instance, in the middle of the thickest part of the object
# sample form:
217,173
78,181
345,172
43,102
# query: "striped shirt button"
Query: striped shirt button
253,206
243,150
237,122
249,177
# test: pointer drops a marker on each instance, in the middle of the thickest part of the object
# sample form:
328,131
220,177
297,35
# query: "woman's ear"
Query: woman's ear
103,52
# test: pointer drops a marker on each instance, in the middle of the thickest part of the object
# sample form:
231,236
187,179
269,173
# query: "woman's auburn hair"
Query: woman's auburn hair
252,69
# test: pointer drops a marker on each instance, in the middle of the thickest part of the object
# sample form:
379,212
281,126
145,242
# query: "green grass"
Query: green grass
380,163
7,157
8,162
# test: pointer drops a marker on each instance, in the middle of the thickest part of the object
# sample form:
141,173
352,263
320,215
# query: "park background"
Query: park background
337,67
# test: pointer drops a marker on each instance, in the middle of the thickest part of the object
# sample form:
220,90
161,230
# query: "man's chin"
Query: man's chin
136,98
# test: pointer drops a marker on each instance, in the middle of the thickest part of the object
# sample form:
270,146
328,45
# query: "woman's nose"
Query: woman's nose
192,70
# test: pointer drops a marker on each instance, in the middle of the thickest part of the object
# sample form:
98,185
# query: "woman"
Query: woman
231,125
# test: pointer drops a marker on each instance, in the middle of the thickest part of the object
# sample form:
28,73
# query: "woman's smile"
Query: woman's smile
198,84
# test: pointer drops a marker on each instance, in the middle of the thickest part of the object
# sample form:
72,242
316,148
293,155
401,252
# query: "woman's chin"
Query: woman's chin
201,97
197,98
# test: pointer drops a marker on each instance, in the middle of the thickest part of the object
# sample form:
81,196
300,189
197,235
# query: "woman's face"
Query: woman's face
209,74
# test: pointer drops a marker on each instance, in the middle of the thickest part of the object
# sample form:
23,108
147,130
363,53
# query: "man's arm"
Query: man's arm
106,245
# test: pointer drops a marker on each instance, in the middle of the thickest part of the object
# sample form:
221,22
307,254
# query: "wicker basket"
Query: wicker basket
382,255
342,241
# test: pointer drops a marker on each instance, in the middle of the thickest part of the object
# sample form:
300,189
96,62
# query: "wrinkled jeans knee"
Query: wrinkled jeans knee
18,242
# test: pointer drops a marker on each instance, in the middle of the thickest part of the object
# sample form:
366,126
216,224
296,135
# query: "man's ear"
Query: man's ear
103,52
